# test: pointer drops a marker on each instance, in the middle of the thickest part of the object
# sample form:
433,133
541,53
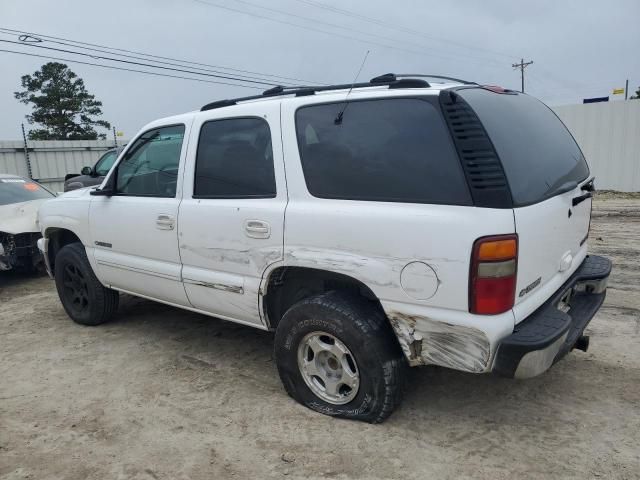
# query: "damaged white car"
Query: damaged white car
372,226
19,202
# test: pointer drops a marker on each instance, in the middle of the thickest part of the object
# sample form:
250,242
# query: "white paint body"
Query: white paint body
211,264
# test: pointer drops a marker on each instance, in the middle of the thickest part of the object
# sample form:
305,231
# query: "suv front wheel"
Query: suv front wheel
336,354
83,297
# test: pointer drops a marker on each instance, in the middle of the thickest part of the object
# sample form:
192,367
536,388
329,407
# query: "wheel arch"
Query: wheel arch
58,237
284,286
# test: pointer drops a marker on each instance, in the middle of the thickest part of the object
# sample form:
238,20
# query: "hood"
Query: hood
20,217
78,192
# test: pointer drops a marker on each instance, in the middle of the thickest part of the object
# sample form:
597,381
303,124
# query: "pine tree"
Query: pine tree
62,106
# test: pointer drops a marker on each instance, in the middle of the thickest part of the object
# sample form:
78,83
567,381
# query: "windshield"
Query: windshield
17,190
105,163
539,155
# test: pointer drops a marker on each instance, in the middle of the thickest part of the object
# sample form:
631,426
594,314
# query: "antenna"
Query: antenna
338,119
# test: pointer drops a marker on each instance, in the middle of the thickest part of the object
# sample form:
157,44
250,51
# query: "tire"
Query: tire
83,297
353,324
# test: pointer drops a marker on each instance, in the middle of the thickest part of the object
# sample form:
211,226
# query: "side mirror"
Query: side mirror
101,192
86,171
107,190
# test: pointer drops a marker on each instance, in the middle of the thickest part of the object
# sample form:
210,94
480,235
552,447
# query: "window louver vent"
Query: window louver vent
479,159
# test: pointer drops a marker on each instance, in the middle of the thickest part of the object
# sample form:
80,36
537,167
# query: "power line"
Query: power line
334,25
130,69
365,18
224,77
522,65
33,40
81,43
336,34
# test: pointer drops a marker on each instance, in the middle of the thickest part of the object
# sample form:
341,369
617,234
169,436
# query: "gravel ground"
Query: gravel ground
161,393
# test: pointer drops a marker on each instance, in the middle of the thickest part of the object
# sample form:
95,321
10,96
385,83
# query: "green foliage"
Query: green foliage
61,105
636,96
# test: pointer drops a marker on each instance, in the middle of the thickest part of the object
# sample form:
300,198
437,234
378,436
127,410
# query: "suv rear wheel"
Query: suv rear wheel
82,295
337,355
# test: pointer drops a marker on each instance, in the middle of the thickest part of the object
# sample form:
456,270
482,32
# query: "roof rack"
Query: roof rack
390,79
421,75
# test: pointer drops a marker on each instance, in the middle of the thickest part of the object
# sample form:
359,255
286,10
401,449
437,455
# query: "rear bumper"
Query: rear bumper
549,333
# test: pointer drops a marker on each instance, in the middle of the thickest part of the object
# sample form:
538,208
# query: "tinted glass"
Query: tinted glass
105,163
235,160
16,190
395,150
538,153
150,166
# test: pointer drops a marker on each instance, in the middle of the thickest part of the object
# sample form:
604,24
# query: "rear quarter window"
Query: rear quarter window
538,154
390,150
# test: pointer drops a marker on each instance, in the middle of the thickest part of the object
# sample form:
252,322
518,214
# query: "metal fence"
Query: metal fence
48,161
608,133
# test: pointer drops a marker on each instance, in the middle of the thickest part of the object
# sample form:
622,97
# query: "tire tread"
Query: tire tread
107,300
373,322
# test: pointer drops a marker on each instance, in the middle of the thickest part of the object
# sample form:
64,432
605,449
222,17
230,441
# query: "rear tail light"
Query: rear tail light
492,280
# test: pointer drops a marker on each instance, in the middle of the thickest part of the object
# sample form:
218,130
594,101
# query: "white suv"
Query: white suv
403,221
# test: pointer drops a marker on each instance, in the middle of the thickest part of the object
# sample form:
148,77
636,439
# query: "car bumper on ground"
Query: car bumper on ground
556,327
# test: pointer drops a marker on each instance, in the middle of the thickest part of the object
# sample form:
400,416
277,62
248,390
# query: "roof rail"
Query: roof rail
439,77
390,79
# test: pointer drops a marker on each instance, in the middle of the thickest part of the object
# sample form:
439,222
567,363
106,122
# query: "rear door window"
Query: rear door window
539,156
390,150
235,160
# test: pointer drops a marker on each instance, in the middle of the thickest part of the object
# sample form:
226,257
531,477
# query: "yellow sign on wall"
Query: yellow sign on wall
618,91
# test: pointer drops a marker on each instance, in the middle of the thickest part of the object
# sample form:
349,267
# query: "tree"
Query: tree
636,96
61,105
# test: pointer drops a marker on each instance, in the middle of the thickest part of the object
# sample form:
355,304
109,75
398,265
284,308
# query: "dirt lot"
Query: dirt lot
165,394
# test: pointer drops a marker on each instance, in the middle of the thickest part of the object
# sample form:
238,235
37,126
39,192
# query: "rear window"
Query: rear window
17,190
538,154
391,150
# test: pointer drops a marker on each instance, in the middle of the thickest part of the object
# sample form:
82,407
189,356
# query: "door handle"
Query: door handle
257,229
165,222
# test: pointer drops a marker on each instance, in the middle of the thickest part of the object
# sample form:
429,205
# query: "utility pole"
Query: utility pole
522,65
626,89
26,152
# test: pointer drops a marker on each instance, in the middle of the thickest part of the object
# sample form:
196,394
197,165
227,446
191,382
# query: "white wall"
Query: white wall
609,135
51,160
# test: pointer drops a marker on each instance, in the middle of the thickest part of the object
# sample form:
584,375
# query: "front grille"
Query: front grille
20,245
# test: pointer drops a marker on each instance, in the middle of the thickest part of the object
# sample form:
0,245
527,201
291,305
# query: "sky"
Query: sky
580,48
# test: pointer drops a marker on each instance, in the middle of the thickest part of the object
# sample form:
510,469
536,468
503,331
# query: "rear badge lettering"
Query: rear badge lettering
530,287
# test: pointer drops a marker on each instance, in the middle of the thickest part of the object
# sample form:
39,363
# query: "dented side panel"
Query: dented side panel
374,242
226,244
448,339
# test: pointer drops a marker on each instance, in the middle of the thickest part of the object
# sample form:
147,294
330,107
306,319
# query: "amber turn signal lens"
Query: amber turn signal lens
498,250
